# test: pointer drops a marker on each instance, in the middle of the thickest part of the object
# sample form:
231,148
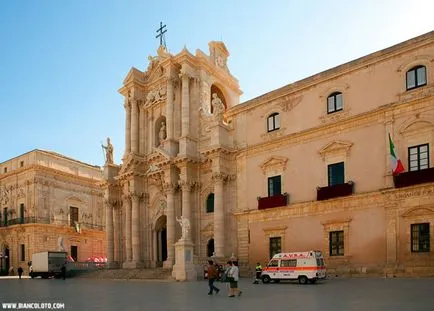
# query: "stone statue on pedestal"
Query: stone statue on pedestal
185,226
108,152
218,107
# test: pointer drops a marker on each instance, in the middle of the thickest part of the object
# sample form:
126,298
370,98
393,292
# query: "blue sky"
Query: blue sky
62,62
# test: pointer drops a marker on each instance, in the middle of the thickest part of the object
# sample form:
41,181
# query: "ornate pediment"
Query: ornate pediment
417,124
159,156
274,163
336,147
209,227
419,211
4,195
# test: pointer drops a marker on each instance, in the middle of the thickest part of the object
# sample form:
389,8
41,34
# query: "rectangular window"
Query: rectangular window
23,253
73,215
420,239
22,213
339,102
274,186
275,246
421,76
336,240
288,263
74,252
5,170
273,122
21,163
418,157
336,173
411,79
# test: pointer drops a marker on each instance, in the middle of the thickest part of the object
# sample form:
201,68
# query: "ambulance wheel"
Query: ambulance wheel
302,279
266,279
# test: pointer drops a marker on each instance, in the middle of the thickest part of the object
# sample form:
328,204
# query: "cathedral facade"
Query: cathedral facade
303,167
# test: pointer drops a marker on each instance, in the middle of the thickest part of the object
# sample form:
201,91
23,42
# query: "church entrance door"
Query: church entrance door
160,241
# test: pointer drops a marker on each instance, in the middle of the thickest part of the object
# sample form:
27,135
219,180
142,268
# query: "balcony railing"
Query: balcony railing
414,177
329,192
274,201
40,220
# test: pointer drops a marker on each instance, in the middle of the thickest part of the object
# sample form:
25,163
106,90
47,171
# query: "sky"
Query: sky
62,62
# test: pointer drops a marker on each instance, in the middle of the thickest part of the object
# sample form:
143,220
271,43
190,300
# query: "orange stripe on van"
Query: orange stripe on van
293,268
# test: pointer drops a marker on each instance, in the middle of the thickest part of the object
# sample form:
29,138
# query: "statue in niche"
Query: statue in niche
218,107
162,133
185,226
108,152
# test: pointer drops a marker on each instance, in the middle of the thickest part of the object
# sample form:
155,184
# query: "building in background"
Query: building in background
49,202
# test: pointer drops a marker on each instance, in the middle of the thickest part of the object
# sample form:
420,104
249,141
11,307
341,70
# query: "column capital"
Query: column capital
136,196
219,177
169,188
186,185
127,103
126,197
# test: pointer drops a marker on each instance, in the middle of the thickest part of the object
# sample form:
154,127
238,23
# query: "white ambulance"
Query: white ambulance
302,266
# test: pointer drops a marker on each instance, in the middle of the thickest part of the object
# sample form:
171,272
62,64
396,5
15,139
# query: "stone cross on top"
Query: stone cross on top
161,31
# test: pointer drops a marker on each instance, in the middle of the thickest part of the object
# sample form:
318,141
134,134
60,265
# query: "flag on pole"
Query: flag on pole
397,166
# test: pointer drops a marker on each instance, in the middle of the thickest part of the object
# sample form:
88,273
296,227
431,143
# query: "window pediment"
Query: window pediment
418,211
274,163
416,124
335,148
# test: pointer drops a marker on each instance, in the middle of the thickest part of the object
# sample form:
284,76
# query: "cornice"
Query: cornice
330,74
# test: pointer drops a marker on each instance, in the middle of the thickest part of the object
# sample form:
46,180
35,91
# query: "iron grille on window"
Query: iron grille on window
336,239
420,238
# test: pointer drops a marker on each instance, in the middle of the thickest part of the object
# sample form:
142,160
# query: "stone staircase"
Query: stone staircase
127,274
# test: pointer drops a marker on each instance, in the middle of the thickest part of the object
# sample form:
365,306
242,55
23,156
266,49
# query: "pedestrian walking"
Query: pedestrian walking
212,275
63,270
20,272
234,275
258,270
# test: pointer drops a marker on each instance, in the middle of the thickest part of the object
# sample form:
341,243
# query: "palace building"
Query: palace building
307,166
50,202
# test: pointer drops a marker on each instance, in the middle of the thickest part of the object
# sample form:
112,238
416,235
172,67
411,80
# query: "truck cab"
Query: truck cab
306,267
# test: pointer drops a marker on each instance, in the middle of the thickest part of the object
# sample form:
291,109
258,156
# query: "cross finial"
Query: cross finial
161,31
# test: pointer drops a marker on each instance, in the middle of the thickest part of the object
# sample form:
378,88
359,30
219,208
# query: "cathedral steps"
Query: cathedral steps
129,274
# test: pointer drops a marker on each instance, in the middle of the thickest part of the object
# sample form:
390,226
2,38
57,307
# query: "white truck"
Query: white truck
48,264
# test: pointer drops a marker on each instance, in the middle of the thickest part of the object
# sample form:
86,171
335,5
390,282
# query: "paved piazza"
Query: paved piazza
334,294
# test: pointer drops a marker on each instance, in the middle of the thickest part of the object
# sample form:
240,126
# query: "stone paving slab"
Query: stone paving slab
335,294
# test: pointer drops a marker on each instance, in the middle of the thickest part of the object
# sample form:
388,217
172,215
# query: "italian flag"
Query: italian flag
396,162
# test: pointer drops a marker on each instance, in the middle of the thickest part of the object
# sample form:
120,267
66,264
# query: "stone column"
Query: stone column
219,215
128,247
185,109
170,229
109,230
134,127
169,113
186,208
142,128
116,234
135,227
127,107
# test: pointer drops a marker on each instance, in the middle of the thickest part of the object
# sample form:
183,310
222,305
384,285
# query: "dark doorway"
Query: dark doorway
7,259
210,248
74,252
164,244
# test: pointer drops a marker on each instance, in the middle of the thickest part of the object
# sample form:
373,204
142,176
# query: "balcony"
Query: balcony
39,220
274,201
330,192
414,178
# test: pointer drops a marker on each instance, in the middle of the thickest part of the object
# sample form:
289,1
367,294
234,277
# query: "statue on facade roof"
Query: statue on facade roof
108,152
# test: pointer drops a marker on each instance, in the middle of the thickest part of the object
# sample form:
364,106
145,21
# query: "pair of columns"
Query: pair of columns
135,122
131,202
